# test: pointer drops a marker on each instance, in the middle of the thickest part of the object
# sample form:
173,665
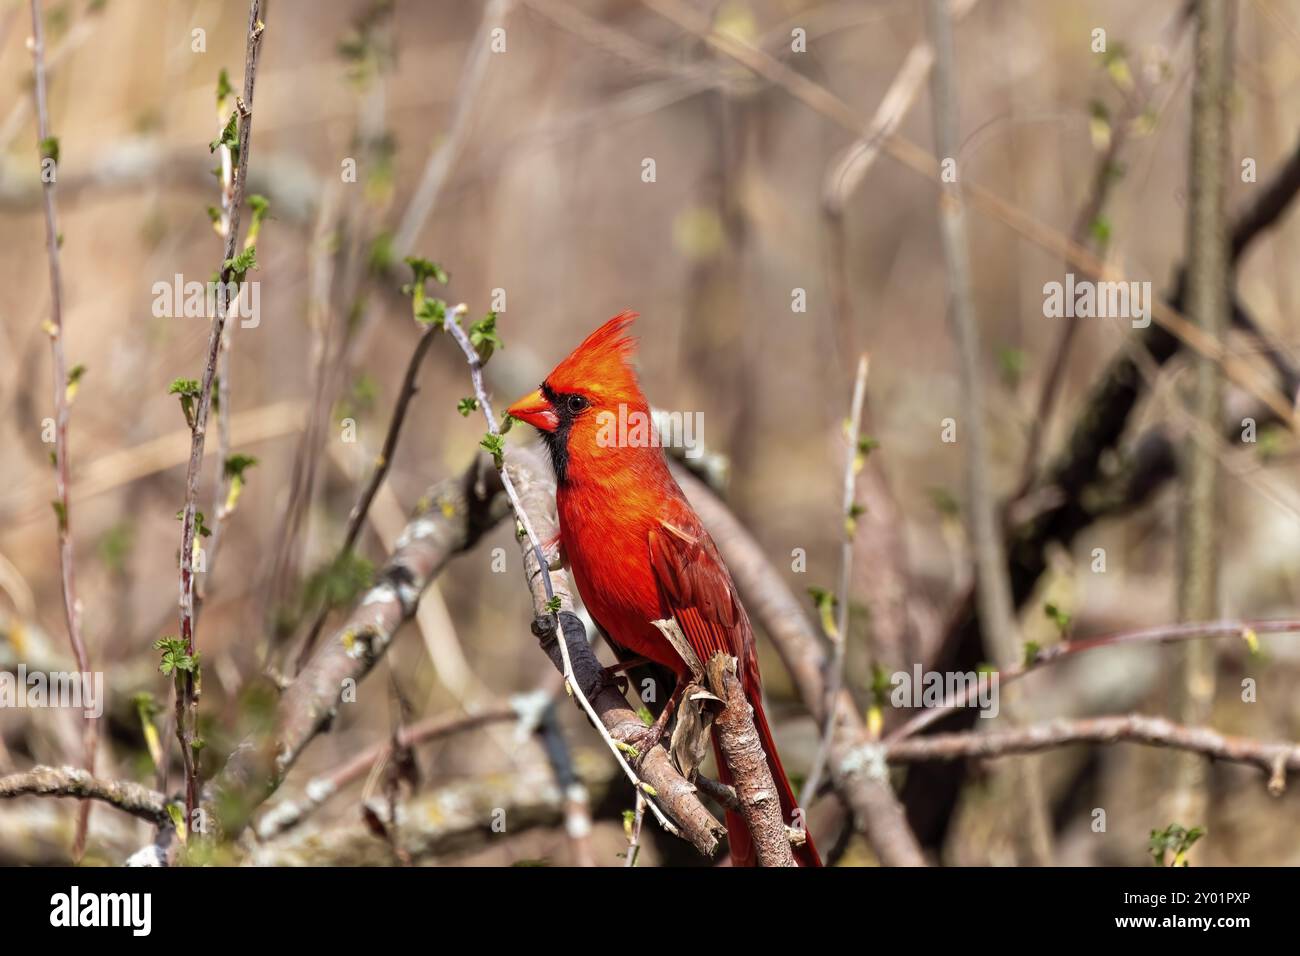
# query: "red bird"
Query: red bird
637,550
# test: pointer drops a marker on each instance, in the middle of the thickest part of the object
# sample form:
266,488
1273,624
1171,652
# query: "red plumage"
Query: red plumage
637,550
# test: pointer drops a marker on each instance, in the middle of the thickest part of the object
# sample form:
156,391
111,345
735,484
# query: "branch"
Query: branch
743,752
148,805
1274,758
1209,272
839,639
1105,176
47,147
184,727
865,789
440,822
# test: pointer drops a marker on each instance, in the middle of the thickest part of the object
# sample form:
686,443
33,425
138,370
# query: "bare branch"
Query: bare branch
995,605
1159,634
129,797
1208,305
743,751
48,149
1274,758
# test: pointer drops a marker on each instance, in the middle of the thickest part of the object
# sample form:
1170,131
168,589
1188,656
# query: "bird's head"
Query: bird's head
579,406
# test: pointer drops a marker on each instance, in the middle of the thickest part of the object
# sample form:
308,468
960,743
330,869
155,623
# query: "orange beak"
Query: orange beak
536,411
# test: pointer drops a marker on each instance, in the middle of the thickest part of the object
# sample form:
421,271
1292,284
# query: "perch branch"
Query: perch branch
865,789
743,751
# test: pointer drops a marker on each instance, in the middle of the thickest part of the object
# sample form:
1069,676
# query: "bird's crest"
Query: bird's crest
602,364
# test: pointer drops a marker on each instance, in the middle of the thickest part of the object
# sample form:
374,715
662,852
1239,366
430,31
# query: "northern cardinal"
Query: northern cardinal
636,548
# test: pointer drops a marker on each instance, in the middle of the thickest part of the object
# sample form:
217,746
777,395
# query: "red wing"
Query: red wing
696,590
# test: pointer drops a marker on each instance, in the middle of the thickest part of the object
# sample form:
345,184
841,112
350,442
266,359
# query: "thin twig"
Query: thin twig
853,163
634,831
1104,178
47,150
202,405
839,639
223,411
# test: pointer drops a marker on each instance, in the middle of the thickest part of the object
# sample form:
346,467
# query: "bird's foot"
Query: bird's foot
641,742
646,740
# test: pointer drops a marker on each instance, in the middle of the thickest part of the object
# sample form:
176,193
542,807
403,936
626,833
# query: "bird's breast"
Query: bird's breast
607,548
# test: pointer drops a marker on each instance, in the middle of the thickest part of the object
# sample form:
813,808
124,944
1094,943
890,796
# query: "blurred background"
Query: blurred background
523,173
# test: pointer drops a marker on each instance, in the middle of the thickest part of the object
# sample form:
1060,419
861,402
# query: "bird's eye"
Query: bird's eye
577,403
